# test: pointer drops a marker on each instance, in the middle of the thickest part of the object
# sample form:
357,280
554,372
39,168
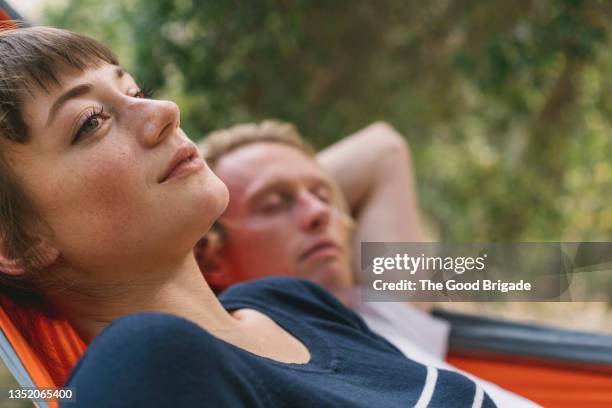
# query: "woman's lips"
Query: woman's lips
184,162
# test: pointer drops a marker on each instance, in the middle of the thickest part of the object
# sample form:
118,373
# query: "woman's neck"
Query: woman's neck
176,289
181,290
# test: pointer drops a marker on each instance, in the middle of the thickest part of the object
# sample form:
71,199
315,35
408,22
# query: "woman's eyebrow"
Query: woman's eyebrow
75,92
72,93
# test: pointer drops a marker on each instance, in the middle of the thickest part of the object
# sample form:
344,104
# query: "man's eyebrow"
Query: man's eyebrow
72,93
260,191
263,189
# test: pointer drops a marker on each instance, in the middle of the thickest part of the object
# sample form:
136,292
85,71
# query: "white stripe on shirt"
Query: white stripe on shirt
428,388
478,396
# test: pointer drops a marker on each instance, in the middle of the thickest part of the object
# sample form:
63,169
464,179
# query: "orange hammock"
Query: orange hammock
47,365
582,376
540,381
551,366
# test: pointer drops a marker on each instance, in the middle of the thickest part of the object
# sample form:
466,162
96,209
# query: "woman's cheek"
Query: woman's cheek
99,197
113,188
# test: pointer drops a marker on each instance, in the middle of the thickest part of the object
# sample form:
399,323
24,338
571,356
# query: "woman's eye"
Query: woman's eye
92,122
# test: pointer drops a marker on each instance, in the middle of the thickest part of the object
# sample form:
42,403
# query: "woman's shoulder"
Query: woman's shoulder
275,285
289,295
280,290
165,355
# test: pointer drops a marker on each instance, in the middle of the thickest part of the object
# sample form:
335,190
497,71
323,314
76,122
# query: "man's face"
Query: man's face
281,219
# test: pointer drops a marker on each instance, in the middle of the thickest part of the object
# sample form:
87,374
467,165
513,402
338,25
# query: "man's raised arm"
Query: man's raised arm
374,170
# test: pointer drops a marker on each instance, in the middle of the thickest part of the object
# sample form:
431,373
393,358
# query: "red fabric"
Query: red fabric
49,349
4,17
546,384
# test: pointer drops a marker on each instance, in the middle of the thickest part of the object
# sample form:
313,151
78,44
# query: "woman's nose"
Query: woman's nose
315,213
158,120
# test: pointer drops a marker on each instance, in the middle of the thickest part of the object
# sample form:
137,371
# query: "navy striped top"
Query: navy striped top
350,366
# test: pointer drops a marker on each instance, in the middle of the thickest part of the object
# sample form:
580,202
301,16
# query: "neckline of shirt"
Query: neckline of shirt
323,356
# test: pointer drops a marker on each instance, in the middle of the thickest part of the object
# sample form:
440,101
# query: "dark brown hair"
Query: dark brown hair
31,59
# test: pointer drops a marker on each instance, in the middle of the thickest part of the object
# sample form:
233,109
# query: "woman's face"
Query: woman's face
112,173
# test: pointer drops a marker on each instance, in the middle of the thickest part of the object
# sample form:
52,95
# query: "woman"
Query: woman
100,192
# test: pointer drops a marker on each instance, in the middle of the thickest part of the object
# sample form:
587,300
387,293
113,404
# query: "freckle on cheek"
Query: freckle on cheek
111,192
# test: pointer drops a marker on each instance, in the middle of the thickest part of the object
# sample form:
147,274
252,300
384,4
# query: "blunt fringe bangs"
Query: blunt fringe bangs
33,58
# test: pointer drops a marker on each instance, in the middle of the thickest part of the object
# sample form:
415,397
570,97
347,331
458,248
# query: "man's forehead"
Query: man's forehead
252,167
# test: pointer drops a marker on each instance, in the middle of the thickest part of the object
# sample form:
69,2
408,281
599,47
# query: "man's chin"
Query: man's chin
332,277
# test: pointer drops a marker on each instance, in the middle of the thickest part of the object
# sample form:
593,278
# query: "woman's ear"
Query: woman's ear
41,255
212,261
10,266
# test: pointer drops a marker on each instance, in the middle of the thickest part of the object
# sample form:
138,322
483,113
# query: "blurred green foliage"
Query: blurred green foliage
506,105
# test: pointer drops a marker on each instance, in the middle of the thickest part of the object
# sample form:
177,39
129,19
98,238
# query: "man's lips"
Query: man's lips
320,249
185,161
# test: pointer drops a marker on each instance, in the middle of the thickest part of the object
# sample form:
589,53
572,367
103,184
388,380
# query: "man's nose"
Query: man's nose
158,120
315,213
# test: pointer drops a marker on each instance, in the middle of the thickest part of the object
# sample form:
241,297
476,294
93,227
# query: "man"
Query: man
289,215
371,167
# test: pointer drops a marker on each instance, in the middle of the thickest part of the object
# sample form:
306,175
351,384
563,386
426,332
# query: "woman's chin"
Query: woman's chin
223,198
210,203
219,199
